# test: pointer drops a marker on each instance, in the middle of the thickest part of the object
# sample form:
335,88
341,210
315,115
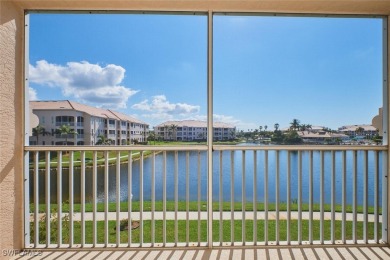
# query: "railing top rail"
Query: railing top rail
215,147
302,147
117,148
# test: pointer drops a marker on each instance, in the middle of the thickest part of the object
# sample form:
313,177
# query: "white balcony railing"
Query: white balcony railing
262,195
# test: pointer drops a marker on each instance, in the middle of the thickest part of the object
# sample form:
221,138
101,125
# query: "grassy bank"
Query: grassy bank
193,206
193,231
66,157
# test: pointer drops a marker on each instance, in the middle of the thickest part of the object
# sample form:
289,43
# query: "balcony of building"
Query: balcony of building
325,200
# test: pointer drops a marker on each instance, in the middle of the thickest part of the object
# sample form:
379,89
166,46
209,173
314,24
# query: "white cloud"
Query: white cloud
159,106
84,81
219,118
32,94
226,119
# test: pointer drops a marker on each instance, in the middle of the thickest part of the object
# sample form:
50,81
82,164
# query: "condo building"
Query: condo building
90,123
192,130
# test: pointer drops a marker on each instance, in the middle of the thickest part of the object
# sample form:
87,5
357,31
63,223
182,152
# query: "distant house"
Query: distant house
193,130
88,122
367,131
321,137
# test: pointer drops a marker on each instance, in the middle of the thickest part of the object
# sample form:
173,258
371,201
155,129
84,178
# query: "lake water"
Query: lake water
226,178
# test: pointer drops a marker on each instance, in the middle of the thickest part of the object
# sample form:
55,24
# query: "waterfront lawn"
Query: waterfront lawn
193,231
193,206
112,158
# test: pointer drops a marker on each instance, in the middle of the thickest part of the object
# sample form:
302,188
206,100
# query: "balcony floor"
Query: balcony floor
272,252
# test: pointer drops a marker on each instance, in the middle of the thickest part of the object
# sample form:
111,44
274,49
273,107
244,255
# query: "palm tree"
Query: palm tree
359,130
201,136
260,128
66,130
152,136
295,124
102,140
232,134
265,128
173,128
255,134
39,130
166,130
276,126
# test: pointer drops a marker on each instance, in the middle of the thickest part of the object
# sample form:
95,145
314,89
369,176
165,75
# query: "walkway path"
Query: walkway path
226,215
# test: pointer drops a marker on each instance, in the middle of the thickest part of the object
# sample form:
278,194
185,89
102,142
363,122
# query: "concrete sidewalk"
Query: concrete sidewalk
226,215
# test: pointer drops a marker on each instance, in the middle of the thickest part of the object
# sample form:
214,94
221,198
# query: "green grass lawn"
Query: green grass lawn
112,154
112,158
193,231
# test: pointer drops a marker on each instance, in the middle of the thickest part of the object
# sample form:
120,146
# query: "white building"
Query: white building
351,130
192,130
89,123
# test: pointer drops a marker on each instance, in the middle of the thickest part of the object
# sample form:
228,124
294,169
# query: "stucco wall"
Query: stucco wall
11,118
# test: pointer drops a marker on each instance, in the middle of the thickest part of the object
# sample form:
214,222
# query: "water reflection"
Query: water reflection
201,169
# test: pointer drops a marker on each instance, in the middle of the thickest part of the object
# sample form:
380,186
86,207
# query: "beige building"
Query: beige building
193,130
322,137
88,122
353,130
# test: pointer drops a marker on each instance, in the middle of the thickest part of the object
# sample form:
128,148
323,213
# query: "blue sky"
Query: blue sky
267,70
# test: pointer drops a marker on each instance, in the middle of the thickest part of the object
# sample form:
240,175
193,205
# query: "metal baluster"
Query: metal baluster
255,197
199,199
176,197
376,197
365,199
187,198
288,198
333,196
82,195
354,228
94,199
232,197
243,199
311,197
118,198
129,196
47,196
106,156
344,195
153,197
36,199
322,197
220,200
300,197
277,183
165,199
266,197
59,198
71,196
141,199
